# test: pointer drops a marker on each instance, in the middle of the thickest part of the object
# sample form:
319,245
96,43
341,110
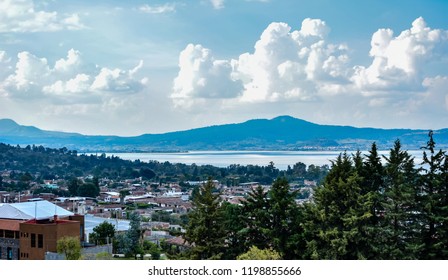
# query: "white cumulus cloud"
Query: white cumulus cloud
292,64
286,65
22,16
398,61
201,76
34,77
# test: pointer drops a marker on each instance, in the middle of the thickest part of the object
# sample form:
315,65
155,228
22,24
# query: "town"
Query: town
39,204
58,204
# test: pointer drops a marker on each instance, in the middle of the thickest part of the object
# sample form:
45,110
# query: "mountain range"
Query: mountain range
280,133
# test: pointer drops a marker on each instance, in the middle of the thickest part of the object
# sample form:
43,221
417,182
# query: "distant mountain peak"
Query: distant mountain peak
8,122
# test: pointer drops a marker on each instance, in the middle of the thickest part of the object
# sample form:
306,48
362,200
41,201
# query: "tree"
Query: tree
88,190
70,246
372,176
434,202
205,231
152,249
129,243
234,227
123,194
102,233
256,219
399,225
285,230
257,254
336,222
73,186
147,173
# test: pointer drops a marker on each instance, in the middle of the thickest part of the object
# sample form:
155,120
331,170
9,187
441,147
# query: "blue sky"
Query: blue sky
134,67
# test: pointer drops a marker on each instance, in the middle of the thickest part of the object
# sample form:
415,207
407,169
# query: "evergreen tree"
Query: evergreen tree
205,231
285,230
256,218
400,224
434,207
234,227
372,174
130,243
337,221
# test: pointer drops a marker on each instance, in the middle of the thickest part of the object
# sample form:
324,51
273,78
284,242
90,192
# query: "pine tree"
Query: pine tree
256,218
234,227
372,173
205,230
285,230
336,223
399,224
434,202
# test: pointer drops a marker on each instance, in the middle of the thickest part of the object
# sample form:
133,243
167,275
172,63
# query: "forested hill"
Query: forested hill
281,133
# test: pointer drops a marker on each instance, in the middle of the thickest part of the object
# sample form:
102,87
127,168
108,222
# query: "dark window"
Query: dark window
1,233
40,241
16,234
9,234
33,240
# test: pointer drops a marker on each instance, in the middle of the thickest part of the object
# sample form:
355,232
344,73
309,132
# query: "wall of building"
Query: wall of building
11,247
36,239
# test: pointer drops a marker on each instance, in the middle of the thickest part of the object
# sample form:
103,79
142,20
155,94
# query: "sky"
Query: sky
133,67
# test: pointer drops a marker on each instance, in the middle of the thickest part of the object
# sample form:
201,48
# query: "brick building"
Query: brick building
29,230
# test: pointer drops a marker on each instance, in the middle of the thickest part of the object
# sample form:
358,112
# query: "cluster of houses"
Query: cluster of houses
81,214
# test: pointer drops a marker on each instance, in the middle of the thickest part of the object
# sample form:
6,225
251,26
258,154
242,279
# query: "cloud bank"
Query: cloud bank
303,67
67,81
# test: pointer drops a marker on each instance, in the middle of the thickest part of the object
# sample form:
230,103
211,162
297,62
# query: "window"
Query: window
33,240
40,241
9,234
1,233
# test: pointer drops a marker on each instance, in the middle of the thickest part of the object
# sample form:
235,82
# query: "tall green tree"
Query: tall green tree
285,229
257,220
434,202
337,221
400,224
372,173
234,228
130,243
205,230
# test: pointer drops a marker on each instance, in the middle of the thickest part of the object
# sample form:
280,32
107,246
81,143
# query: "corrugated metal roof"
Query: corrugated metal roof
38,210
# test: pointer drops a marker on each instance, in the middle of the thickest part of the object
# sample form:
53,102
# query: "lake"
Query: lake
281,159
